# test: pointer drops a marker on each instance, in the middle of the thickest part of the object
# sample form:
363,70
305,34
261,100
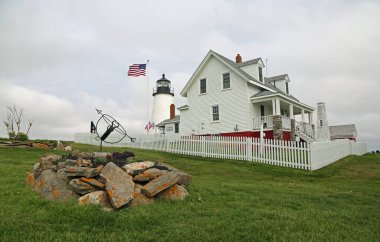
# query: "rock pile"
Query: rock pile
107,179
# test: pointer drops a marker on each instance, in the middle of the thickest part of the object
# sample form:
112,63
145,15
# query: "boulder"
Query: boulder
175,192
82,171
71,162
91,155
61,165
68,148
119,185
84,163
80,187
148,175
36,170
40,145
94,182
185,178
139,198
161,183
97,198
53,187
137,167
49,161
30,179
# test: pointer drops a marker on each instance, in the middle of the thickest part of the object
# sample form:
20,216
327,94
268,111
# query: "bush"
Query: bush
21,136
12,135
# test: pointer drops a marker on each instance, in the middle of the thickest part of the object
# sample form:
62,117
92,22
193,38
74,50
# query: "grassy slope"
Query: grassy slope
230,201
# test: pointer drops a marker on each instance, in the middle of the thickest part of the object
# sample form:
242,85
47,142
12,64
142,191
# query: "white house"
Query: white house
233,98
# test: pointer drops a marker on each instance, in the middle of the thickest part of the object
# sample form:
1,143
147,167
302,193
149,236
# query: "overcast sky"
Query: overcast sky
61,59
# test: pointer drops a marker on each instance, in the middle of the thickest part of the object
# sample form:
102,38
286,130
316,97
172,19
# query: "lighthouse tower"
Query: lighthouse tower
163,96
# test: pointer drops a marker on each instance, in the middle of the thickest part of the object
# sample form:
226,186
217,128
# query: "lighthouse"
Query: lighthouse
163,96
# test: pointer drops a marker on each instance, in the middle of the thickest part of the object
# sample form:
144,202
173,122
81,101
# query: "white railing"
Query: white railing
267,122
293,154
306,128
286,123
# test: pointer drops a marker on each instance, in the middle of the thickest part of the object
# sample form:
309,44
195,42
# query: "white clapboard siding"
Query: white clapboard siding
291,154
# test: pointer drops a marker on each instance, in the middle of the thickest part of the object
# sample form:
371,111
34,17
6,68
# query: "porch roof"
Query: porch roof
267,95
176,119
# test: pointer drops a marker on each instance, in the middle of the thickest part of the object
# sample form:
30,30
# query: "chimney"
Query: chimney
238,58
172,111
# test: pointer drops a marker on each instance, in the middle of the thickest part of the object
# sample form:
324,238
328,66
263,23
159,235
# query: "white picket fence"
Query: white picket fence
275,152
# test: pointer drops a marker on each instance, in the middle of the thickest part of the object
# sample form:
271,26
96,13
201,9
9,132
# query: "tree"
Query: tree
13,122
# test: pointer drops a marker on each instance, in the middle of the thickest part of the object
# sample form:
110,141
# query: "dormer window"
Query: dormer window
260,73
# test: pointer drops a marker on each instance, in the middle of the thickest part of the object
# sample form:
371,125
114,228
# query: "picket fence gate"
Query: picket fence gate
292,154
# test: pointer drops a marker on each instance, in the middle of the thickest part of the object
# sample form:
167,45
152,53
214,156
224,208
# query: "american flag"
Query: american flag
137,70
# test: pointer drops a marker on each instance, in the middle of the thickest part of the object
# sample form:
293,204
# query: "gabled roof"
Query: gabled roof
232,65
250,62
277,78
343,131
176,119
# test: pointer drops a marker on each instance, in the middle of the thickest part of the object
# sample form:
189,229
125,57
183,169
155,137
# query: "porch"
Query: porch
279,114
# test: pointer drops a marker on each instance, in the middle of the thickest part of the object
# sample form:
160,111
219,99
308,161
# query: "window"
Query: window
262,110
320,122
203,86
287,88
260,74
274,83
226,81
176,127
215,113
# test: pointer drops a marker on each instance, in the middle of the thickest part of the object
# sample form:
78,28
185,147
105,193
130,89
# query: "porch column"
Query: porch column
291,115
273,107
278,108
303,115
310,117
292,123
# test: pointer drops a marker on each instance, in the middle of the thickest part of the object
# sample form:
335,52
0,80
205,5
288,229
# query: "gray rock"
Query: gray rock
119,185
49,161
161,183
97,198
70,162
84,162
53,187
61,165
175,192
137,167
139,199
80,187
82,171
148,175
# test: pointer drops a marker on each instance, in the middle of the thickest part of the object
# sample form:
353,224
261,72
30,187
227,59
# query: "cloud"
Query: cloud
75,54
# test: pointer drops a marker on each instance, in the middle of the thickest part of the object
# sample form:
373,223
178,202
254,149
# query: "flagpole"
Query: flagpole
147,94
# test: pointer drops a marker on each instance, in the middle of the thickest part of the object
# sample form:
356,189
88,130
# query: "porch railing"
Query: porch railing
267,122
306,128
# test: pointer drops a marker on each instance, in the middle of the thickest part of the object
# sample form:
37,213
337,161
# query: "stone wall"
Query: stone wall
277,127
293,130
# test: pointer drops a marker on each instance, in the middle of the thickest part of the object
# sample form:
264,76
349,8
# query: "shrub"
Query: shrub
21,136
12,135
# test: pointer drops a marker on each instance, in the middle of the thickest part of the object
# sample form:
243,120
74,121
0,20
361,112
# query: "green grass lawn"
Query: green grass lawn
229,201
